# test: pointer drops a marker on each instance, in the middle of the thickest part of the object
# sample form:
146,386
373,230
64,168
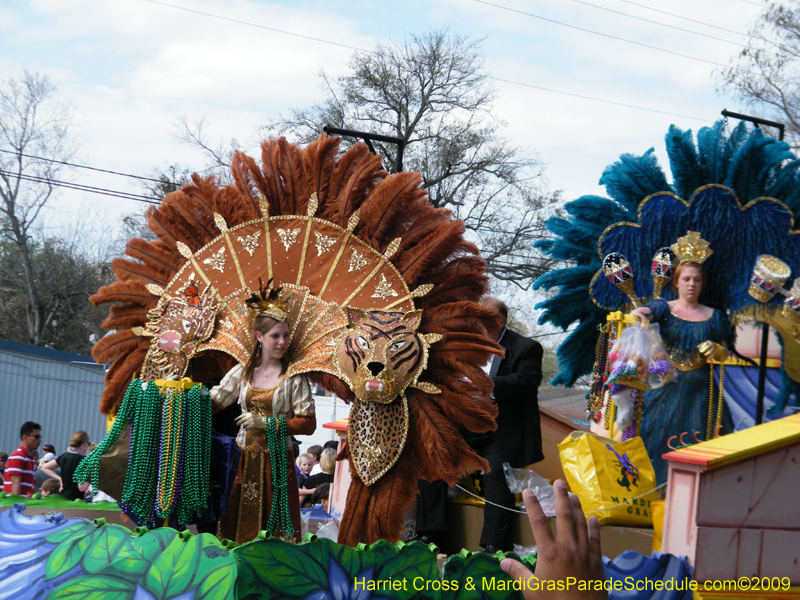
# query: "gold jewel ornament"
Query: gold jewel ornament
791,306
691,248
663,269
265,302
618,271
769,275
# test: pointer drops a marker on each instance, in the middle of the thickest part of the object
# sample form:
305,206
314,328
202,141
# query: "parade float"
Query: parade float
380,293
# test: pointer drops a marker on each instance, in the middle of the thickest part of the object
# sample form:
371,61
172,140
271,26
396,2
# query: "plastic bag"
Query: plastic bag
523,551
329,531
614,480
638,359
521,479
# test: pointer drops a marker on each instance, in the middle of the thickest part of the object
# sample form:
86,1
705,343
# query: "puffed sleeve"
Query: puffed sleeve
295,402
659,309
227,392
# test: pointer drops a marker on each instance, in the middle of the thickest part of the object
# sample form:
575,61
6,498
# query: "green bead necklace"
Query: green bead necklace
279,518
170,452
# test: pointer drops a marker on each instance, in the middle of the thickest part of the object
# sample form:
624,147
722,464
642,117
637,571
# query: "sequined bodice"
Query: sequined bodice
259,401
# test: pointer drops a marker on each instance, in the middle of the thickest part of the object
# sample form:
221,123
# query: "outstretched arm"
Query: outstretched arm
572,555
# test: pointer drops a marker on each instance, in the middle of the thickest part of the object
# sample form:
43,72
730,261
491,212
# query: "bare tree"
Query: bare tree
434,93
766,73
33,136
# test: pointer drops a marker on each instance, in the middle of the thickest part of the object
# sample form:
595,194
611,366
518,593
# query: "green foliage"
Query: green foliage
163,562
94,588
478,577
66,277
167,564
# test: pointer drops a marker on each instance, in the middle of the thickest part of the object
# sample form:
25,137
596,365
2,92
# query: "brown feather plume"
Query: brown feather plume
432,250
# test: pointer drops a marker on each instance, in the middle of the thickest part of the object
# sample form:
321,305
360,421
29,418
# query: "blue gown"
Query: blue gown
682,404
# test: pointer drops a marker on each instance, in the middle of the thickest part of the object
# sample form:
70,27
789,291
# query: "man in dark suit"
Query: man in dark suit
518,437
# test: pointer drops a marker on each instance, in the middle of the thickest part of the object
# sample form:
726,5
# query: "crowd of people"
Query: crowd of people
23,473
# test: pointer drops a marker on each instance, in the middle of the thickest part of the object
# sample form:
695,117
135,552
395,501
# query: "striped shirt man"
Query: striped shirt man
22,463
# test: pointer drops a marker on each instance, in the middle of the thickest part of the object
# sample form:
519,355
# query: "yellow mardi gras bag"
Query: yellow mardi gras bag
614,480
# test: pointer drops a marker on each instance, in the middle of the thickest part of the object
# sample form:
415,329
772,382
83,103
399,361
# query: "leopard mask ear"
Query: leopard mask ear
413,319
355,316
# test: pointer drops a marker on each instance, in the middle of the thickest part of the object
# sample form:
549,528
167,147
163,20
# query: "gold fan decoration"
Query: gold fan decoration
367,268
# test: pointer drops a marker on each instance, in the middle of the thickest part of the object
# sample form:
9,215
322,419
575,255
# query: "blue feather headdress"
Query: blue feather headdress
740,191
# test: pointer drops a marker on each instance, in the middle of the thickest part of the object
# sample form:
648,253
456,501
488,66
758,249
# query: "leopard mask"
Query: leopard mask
379,355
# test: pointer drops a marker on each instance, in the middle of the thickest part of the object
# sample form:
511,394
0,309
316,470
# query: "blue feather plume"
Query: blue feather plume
751,165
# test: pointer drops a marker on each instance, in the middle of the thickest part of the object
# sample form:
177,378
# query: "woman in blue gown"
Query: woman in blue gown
692,334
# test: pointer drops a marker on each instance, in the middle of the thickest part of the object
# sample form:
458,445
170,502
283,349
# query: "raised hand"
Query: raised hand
569,565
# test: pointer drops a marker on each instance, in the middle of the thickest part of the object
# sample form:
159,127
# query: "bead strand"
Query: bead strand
89,468
279,517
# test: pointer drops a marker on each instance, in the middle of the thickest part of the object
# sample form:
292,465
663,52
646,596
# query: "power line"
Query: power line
630,16
306,37
61,162
581,96
653,110
613,37
663,12
83,188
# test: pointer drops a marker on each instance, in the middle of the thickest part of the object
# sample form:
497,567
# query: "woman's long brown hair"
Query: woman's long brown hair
262,325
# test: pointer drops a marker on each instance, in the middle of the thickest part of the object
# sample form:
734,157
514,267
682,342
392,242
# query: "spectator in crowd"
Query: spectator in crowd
78,446
49,486
49,448
3,459
305,462
321,496
41,475
327,464
19,473
315,451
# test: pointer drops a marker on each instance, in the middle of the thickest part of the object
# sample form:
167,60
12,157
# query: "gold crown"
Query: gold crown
691,248
265,302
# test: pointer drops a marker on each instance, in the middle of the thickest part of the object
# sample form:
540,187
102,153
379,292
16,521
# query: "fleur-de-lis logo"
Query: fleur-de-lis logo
324,243
250,242
357,261
216,260
288,237
384,289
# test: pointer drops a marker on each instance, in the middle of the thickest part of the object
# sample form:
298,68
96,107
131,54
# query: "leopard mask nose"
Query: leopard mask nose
375,368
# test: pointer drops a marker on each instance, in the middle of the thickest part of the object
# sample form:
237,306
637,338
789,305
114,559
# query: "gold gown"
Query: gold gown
248,508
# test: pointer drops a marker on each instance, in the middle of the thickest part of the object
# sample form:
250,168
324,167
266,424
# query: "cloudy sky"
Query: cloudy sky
132,68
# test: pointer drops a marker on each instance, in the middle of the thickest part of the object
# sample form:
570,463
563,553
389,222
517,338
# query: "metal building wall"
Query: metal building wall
51,388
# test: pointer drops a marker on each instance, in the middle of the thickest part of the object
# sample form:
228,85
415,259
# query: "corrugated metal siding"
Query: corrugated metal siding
63,397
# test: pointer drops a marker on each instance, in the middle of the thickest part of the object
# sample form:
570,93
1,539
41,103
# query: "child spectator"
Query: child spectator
50,486
305,462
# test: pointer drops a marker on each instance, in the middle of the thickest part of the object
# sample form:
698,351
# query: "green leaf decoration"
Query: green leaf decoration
213,556
272,568
220,584
105,547
94,588
135,559
414,562
174,569
82,526
69,553
477,577
185,565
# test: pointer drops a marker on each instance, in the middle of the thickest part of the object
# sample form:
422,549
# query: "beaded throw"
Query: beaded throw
279,519
170,452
